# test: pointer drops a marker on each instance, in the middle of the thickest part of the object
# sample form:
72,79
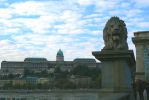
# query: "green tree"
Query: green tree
44,73
64,84
7,85
82,70
94,73
39,86
28,72
11,76
57,69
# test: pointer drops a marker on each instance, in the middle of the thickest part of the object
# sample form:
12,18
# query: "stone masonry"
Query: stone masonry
141,41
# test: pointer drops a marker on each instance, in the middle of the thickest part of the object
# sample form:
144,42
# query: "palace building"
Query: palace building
40,64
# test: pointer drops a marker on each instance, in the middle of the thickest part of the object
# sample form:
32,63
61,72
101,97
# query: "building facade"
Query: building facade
41,64
29,80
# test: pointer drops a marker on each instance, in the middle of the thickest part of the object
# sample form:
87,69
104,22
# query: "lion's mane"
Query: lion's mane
110,44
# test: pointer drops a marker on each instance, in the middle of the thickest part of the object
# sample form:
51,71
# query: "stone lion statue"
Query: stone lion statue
115,35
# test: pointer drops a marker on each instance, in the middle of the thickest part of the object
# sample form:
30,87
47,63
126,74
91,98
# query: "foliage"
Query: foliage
7,86
82,70
57,69
64,84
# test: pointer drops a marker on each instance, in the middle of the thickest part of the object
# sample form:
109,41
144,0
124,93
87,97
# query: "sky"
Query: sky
39,28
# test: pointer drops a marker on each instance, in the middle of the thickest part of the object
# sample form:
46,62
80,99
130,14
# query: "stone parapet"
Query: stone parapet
86,94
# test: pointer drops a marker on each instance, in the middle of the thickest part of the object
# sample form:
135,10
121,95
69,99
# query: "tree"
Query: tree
82,70
28,72
7,85
11,76
44,73
64,84
57,69
94,73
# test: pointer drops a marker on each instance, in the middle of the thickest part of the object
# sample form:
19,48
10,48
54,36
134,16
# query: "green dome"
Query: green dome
60,53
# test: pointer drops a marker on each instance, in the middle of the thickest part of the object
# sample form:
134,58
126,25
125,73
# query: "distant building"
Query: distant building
29,80
25,80
91,63
80,81
43,80
16,67
41,64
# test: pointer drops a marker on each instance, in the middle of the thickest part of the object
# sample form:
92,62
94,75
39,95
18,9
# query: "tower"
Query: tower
60,56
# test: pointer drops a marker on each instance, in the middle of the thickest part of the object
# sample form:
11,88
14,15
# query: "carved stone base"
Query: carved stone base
117,70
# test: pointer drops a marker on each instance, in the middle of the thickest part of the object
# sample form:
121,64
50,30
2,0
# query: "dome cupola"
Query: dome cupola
60,56
60,53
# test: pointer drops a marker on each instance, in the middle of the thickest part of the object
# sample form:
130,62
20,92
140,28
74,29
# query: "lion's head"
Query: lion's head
115,34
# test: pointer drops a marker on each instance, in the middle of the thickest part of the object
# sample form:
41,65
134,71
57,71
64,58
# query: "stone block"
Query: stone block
118,70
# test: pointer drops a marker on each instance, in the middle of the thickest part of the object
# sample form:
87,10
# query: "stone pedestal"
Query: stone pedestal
117,70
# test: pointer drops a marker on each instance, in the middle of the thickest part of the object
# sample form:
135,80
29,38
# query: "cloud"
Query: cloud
5,13
85,2
36,25
28,8
40,28
144,25
142,3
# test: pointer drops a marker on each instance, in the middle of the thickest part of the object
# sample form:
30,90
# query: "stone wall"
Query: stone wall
62,95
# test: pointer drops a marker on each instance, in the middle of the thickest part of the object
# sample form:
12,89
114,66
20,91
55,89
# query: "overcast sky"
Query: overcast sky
39,28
